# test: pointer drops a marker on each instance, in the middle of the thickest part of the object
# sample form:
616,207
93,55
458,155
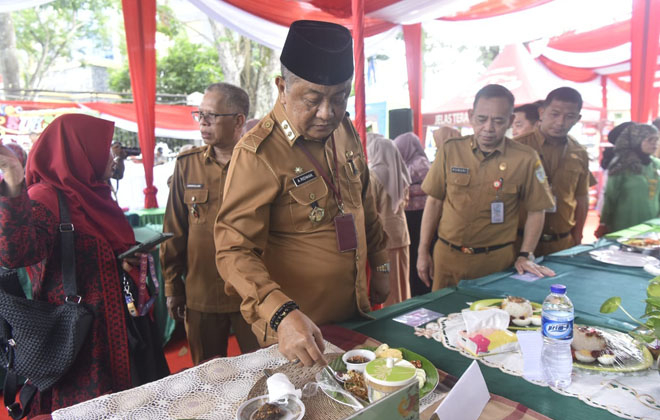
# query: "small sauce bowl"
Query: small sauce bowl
359,367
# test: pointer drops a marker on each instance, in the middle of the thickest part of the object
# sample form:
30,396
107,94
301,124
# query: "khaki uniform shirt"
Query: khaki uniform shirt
194,200
463,178
567,167
394,222
269,250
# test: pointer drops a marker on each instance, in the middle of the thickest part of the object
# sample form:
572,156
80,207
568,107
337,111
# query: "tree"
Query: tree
8,58
186,68
247,64
49,32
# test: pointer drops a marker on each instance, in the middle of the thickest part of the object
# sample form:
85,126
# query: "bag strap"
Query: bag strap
28,391
68,251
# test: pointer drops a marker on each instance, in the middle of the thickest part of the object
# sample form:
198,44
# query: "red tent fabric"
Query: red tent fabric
140,24
513,68
638,72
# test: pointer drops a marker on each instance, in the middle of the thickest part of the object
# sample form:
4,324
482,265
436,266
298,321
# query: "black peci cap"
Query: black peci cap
319,52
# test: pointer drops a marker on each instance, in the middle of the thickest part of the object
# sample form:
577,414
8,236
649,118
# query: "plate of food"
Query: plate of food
524,315
645,242
259,408
602,349
427,374
622,258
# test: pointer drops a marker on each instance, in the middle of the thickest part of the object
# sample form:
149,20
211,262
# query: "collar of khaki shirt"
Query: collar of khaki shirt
283,120
475,146
209,156
542,139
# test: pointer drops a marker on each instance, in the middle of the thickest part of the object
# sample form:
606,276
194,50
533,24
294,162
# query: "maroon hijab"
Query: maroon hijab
71,156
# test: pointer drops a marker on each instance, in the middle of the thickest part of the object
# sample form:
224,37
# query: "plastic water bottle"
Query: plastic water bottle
557,326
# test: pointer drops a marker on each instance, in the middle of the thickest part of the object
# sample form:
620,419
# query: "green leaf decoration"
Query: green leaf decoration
653,289
610,305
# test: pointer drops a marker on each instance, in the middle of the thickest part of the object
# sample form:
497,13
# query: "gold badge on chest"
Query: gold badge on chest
316,215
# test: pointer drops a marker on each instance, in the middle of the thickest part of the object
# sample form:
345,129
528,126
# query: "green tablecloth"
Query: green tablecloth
447,301
652,225
589,283
140,218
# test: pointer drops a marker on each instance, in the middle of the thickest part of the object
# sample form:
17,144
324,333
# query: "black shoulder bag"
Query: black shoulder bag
39,340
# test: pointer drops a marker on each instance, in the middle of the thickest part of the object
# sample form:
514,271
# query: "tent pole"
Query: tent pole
412,35
358,54
140,24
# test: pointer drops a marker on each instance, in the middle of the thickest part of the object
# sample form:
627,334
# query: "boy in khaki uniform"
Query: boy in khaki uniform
476,186
566,164
194,200
298,222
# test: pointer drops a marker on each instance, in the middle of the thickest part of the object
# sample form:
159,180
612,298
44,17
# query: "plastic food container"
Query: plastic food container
387,375
359,367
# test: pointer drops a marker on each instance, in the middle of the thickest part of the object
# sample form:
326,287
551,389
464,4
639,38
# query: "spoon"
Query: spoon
339,376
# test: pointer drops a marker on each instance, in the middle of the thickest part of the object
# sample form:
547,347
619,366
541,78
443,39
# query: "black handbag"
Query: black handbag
39,340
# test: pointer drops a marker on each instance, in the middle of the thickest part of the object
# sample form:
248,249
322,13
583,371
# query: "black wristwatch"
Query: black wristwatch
528,255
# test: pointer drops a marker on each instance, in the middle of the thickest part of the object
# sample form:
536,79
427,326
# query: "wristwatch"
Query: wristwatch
383,268
528,255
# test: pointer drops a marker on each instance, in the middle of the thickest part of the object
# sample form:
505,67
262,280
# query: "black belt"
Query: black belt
470,250
549,237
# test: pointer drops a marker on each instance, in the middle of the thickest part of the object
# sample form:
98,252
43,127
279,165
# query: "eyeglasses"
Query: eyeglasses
209,117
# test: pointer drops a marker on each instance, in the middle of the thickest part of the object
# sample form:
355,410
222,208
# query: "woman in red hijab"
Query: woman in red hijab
73,155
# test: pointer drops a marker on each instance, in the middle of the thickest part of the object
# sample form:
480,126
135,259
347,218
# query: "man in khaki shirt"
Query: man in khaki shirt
476,186
566,164
295,177
194,201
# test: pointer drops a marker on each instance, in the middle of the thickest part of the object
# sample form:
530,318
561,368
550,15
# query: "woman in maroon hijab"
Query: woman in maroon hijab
73,155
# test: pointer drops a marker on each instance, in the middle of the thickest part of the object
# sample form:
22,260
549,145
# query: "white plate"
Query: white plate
294,409
618,257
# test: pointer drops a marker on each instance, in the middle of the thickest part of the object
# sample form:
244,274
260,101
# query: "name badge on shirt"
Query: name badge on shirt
496,212
194,186
458,170
302,178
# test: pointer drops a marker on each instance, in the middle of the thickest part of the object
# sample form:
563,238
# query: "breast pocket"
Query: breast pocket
354,169
197,202
308,207
568,179
458,190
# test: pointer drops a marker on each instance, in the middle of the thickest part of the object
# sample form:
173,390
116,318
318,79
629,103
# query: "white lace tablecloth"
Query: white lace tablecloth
633,395
213,390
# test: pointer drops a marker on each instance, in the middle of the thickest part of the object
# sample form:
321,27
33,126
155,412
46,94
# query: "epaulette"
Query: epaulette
260,132
453,139
193,151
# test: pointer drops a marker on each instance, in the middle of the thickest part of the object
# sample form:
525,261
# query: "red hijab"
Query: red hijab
71,156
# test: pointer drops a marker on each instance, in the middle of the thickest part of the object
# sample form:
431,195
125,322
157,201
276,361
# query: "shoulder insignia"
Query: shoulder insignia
253,138
195,150
539,171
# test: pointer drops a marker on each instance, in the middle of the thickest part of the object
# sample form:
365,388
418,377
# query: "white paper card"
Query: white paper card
528,277
531,345
467,398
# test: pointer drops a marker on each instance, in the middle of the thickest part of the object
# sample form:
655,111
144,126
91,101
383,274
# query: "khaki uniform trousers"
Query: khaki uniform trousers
545,248
399,275
208,334
451,266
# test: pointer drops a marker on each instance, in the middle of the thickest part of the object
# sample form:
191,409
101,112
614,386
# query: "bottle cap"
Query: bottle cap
558,288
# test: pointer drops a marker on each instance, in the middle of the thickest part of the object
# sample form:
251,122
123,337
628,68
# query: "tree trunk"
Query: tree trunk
249,65
8,58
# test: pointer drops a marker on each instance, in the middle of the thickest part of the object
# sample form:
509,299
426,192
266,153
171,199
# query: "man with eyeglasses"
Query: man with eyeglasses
298,222
194,200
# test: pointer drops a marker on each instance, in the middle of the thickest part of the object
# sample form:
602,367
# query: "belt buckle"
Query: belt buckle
467,250
546,237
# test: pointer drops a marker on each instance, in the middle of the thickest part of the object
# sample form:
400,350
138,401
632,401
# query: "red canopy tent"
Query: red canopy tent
626,53
366,18
25,117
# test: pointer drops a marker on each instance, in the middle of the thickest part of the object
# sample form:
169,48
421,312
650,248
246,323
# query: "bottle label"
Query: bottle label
559,330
